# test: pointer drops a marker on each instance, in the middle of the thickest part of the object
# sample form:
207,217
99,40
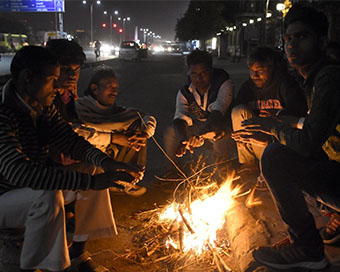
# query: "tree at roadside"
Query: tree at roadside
203,19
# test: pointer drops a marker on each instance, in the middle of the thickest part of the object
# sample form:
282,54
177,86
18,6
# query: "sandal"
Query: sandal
84,263
261,184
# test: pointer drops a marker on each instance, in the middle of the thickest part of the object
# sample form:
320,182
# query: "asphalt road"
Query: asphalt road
6,59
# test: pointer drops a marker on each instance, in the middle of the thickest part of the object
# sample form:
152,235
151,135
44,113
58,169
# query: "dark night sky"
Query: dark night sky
159,15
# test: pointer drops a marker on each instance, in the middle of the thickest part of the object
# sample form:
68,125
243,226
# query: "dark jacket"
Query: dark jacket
25,145
322,124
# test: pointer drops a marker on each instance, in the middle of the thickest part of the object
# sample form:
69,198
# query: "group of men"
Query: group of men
294,133
291,129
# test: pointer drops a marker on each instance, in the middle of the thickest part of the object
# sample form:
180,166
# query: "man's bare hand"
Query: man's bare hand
209,135
260,124
138,140
181,150
120,139
251,137
189,144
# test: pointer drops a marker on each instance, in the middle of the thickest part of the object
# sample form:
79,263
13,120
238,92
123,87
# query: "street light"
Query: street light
91,10
111,26
124,19
280,6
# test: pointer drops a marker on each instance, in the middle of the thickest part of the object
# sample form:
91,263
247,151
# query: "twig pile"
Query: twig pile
162,240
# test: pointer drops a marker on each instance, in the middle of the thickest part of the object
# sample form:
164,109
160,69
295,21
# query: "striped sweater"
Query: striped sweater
24,147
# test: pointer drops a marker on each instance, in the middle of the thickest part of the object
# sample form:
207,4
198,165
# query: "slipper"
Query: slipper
261,184
84,263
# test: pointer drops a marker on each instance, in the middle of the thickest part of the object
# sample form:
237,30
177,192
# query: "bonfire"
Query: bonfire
191,229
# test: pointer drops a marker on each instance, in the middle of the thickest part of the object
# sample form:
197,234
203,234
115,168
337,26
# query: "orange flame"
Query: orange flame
207,216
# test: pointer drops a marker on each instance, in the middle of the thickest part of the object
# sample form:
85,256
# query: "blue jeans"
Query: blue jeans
288,175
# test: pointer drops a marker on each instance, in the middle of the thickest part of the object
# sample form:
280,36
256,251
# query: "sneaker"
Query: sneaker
134,190
129,189
84,263
291,256
260,184
283,243
330,234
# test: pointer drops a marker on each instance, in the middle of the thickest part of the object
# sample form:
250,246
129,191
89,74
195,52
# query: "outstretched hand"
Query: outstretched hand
251,137
260,124
189,144
138,140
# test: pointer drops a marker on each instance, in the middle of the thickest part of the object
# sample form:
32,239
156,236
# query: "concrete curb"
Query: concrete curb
245,233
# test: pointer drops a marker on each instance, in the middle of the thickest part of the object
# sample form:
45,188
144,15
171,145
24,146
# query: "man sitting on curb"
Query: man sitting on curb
270,91
299,164
30,185
202,110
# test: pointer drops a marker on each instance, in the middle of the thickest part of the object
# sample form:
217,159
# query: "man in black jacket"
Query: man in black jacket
306,160
30,183
202,110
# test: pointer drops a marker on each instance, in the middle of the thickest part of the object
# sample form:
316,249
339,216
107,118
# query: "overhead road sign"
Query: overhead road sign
32,6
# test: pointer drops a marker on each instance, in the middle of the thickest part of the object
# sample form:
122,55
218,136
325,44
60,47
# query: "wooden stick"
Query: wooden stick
226,267
189,201
219,268
185,221
181,236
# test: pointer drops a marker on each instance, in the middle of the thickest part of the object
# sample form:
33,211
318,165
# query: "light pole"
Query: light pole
144,30
91,17
111,26
124,19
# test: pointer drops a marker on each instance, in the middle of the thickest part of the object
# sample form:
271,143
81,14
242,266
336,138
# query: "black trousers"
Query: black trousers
289,175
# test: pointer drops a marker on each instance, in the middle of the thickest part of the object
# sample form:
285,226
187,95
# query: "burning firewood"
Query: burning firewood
187,232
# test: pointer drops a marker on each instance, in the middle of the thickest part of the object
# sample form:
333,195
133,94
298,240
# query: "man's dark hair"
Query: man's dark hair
100,73
68,52
272,58
34,58
266,56
308,16
199,57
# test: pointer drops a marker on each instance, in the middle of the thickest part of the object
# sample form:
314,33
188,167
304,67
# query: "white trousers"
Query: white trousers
42,215
93,214
247,153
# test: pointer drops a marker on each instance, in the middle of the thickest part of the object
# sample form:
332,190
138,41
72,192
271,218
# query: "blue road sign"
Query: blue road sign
32,6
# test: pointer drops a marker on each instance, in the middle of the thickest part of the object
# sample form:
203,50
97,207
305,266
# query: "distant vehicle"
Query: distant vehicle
50,35
131,50
10,42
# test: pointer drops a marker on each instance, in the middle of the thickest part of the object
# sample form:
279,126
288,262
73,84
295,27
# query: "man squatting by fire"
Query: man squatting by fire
31,182
202,112
305,159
